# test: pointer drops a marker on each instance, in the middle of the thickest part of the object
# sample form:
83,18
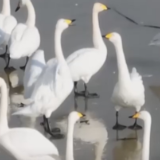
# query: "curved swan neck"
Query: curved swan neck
6,9
146,139
69,146
97,37
123,73
58,47
31,20
3,107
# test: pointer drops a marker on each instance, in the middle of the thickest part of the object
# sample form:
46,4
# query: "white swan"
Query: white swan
7,24
25,38
32,72
86,62
34,144
53,85
146,117
129,90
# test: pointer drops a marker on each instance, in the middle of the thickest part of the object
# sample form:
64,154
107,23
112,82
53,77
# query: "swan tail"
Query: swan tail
26,111
137,79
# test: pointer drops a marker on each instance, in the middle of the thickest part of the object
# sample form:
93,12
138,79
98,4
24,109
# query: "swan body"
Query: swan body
81,72
32,72
7,22
54,83
84,63
146,117
12,139
129,90
130,95
25,38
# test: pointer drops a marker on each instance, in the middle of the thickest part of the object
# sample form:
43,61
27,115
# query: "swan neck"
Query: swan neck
146,140
69,146
58,46
123,73
97,37
6,9
99,147
3,107
31,20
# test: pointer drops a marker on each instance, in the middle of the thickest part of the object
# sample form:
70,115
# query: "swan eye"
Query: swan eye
109,35
104,7
136,115
68,21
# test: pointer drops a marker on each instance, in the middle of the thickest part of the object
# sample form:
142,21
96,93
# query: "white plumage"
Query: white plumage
129,90
54,83
7,23
22,143
84,63
25,38
32,72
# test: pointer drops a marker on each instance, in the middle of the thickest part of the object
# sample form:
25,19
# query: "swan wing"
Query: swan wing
2,36
24,41
2,33
51,75
78,54
52,61
9,24
28,142
84,62
45,84
33,70
137,81
17,32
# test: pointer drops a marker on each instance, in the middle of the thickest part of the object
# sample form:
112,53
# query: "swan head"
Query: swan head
64,23
21,3
99,7
113,37
75,116
144,115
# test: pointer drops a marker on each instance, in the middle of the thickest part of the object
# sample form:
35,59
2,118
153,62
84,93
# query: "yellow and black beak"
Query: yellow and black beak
108,36
18,7
135,116
81,115
70,22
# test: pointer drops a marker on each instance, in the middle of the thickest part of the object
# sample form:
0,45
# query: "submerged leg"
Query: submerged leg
47,129
4,54
118,126
135,126
23,67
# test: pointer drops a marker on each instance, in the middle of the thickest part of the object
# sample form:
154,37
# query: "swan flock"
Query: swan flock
48,83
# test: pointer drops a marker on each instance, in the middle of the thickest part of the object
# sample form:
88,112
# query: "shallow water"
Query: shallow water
138,54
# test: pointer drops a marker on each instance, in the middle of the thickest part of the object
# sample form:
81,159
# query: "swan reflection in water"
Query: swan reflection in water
90,130
128,149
